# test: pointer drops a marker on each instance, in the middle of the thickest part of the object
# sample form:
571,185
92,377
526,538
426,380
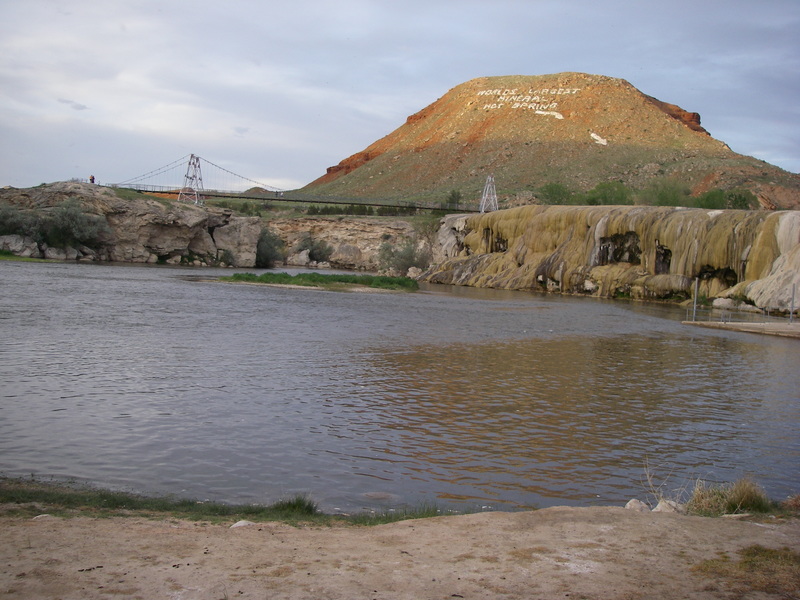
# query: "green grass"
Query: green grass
28,498
33,497
327,281
6,255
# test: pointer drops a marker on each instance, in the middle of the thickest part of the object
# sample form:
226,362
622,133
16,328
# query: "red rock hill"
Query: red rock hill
574,129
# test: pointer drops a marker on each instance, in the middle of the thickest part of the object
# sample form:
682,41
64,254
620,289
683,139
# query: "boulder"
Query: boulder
670,506
20,245
637,505
239,237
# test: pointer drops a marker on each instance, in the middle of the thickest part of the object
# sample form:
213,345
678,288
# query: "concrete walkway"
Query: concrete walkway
783,329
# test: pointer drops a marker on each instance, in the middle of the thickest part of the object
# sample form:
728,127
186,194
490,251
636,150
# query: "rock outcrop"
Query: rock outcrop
625,251
354,243
142,229
573,129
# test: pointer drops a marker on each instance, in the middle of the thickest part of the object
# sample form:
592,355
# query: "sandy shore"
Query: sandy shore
608,553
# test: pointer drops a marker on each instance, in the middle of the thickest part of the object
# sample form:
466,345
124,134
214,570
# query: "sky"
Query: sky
279,91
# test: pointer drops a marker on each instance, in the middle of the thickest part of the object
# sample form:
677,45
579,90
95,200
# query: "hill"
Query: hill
571,129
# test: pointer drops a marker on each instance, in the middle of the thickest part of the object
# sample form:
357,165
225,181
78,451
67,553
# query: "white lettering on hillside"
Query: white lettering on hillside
543,101
598,139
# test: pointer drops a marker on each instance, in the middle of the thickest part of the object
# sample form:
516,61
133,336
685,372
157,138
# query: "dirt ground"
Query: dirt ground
591,553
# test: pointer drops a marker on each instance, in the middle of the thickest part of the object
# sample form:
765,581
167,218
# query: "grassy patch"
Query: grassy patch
742,496
758,569
28,498
327,281
33,498
6,255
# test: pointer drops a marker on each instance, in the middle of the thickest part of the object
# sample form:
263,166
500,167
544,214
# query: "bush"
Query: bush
665,192
401,259
269,250
318,250
728,498
608,193
555,193
14,221
68,225
65,225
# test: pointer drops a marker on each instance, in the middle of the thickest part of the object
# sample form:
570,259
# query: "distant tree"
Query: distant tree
555,193
453,200
741,199
665,192
609,193
712,199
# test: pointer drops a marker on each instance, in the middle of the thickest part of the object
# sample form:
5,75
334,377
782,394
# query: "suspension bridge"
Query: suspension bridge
194,179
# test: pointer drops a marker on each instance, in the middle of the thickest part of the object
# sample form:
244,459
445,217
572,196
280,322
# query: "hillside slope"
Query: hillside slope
574,129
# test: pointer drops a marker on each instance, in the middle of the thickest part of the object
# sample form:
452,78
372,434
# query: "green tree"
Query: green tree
665,192
555,193
269,250
609,193
453,200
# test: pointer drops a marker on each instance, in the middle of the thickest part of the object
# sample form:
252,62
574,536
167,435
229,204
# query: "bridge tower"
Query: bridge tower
489,198
192,189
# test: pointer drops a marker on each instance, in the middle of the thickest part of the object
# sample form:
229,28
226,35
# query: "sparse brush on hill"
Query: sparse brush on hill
660,192
63,226
578,130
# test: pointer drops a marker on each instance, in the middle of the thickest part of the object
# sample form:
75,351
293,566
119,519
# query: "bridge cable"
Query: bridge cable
157,171
263,185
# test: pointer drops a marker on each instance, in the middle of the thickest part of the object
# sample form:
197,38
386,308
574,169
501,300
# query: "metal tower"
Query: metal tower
489,198
192,182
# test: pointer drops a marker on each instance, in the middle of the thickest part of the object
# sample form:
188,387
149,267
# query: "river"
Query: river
149,379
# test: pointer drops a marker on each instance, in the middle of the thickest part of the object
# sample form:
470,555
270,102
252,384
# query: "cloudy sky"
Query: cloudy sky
279,91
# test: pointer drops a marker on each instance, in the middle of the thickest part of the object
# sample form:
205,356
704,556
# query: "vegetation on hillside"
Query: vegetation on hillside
64,225
660,192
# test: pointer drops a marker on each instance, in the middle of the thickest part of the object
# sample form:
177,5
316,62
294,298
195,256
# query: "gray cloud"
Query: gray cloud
281,91
72,104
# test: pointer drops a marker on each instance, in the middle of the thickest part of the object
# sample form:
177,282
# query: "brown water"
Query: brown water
146,379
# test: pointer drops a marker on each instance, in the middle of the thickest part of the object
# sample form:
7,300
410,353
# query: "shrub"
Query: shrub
68,225
401,259
453,200
14,221
728,498
713,199
608,193
318,250
665,192
555,193
269,250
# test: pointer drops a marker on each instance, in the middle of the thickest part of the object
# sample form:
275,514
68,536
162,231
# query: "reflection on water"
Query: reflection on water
145,379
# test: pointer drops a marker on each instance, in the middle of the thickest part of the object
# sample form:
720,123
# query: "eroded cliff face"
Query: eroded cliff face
625,251
144,230
355,243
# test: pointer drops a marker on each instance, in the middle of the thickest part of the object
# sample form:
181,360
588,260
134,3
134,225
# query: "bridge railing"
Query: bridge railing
291,196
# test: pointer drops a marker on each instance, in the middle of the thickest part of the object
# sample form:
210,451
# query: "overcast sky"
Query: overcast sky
279,91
